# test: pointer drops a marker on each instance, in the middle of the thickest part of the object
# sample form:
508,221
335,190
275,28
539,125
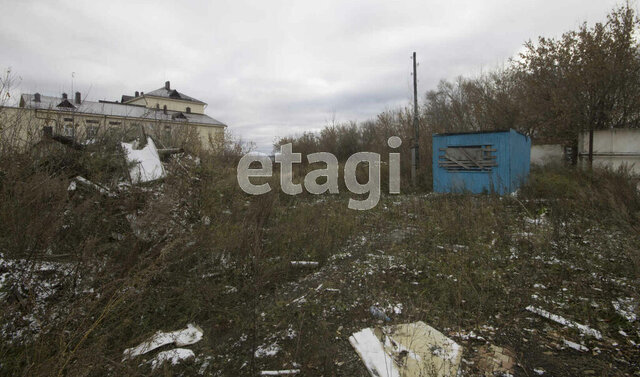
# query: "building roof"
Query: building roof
478,132
103,108
171,94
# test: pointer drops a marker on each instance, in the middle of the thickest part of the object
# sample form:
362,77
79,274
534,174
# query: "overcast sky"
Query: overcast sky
272,68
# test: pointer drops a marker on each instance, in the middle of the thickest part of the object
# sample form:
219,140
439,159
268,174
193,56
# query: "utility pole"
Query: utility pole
415,157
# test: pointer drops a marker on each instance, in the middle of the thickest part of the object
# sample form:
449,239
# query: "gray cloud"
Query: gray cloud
272,68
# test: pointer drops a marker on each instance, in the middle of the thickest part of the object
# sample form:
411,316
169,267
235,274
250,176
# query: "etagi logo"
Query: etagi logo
287,158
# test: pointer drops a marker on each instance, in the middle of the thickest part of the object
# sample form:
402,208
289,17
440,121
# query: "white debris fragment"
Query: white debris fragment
300,300
267,350
372,353
146,162
626,307
205,365
563,321
466,336
282,372
539,371
413,349
101,189
304,263
575,346
229,289
192,334
174,356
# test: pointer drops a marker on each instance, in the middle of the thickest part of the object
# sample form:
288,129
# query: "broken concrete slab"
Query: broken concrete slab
407,350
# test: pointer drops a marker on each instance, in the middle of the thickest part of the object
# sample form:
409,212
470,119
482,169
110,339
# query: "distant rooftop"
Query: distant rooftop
38,101
165,92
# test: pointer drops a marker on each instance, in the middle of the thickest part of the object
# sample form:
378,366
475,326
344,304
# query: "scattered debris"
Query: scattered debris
192,334
302,263
494,360
575,346
267,350
378,313
169,151
466,336
205,365
87,183
229,289
563,321
408,350
626,307
174,356
279,372
146,162
539,371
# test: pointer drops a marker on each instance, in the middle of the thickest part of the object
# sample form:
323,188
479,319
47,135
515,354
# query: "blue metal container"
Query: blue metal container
480,162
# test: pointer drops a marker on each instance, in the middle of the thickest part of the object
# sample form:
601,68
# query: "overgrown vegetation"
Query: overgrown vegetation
585,80
84,275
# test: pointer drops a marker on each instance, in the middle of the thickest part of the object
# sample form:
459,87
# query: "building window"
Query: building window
188,110
468,158
92,132
114,123
67,130
157,105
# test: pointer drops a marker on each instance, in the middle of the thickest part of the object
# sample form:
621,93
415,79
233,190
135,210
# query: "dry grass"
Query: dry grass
82,283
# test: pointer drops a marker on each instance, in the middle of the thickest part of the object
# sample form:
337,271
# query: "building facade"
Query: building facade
162,113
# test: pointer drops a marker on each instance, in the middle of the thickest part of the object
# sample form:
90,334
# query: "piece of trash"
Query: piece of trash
575,346
303,263
192,334
267,350
174,356
377,313
494,360
538,371
283,372
87,183
146,162
563,321
408,350
626,307
463,335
